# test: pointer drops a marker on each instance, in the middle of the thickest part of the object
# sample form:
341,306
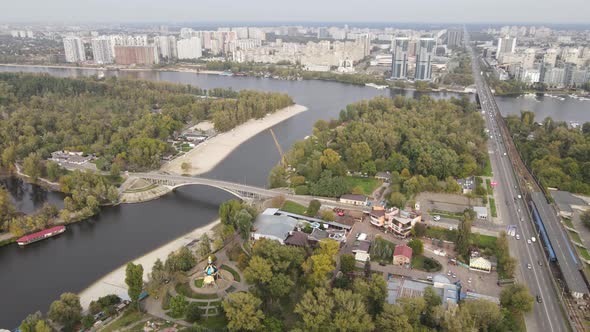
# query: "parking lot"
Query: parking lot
481,282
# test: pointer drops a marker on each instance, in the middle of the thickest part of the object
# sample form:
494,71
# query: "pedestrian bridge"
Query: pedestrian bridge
240,190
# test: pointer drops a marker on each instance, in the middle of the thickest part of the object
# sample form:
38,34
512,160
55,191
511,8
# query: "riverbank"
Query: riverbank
205,156
114,282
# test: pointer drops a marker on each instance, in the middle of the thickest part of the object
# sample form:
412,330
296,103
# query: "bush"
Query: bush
382,250
301,190
193,313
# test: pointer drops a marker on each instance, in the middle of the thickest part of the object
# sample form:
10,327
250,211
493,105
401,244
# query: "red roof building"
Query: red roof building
402,254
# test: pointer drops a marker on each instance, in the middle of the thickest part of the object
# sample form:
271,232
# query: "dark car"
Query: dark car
539,299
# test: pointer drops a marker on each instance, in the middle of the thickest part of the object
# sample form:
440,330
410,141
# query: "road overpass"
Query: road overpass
242,191
512,210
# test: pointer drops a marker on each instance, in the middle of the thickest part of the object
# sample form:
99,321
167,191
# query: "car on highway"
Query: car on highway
517,237
533,239
528,241
436,218
529,266
540,263
539,299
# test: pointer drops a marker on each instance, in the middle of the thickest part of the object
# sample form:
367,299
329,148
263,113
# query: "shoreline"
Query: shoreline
207,155
114,281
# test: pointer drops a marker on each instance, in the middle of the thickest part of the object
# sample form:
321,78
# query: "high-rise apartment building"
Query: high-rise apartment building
166,46
550,57
505,45
528,59
136,55
74,49
190,48
399,58
102,50
424,57
455,37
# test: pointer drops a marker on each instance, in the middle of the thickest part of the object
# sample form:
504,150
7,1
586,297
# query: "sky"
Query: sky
383,11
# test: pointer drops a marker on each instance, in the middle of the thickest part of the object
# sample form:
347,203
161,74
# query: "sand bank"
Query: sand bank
205,156
114,282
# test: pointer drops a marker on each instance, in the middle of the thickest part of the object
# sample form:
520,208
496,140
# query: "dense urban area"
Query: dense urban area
404,213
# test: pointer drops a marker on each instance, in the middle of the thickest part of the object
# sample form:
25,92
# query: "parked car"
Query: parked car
436,217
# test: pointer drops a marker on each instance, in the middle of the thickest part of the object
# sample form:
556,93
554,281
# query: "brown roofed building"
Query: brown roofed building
136,55
402,255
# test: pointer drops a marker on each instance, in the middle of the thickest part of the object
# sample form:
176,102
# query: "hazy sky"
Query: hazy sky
470,11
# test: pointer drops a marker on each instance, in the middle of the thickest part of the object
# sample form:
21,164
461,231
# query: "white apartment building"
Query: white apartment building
124,40
190,48
505,45
550,57
528,59
102,50
74,49
166,46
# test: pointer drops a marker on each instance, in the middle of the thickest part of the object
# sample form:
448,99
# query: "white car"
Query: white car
533,239
517,237
528,266
528,241
436,217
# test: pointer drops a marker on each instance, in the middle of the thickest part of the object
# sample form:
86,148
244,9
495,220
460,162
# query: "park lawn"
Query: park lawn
493,207
418,262
489,185
214,322
367,184
290,206
199,282
185,290
486,241
447,214
129,317
487,170
233,272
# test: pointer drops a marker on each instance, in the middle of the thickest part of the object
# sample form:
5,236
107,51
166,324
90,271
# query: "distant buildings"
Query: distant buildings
136,55
166,45
74,49
190,48
505,45
399,69
455,37
424,57
102,51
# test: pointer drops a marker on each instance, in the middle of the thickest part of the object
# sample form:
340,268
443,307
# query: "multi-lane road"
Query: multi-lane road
512,210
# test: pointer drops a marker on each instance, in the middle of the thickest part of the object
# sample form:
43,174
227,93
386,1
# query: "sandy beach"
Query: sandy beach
114,282
207,155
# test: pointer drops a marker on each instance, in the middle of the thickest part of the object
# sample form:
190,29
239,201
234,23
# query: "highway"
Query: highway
546,316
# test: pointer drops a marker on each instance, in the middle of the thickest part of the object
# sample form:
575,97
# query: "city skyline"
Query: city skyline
453,11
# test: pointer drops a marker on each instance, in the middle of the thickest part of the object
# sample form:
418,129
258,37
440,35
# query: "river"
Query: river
33,276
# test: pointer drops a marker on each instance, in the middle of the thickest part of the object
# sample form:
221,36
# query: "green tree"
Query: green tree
463,236
186,166
393,319
516,298
259,271
397,199
413,307
374,293
134,281
328,215
347,263
7,209
242,311
52,170
585,216
42,326
419,229
204,247
278,177
30,322
315,309
178,306
484,315
66,311
313,207
32,166
181,260
350,313
244,223
417,247
357,154
433,301
156,279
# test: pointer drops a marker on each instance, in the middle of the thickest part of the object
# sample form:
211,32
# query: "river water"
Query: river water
33,276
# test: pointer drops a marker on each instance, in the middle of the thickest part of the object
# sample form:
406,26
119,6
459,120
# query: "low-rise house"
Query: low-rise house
70,157
297,239
353,199
402,254
382,217
273,227
402,223
360,250
403,287
480,264
481,212
385,176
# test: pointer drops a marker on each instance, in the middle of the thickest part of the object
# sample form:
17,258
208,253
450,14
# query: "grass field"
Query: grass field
568,223
584,253
129,317
486,241
425,264
185,290
493,207
214,322
489,185
233,272
368,184
487,170
447,214
293,207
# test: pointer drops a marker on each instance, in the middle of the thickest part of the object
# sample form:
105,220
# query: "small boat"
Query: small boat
378,87
41,235
227,73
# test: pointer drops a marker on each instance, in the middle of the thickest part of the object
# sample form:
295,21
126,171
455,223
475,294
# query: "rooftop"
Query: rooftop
277,226
404,250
